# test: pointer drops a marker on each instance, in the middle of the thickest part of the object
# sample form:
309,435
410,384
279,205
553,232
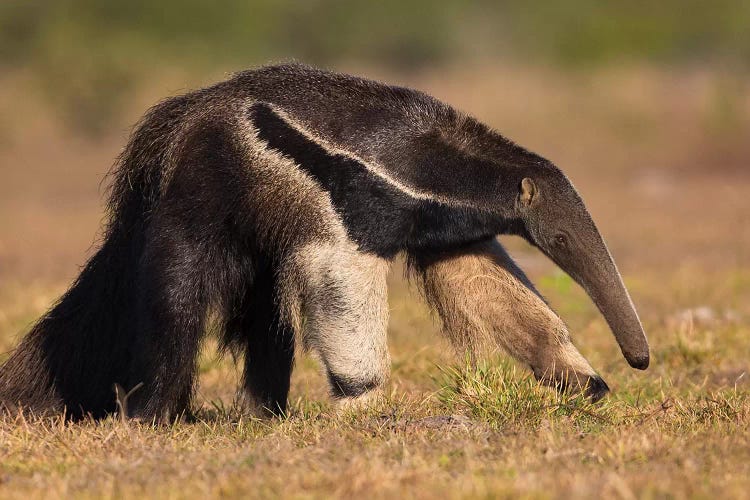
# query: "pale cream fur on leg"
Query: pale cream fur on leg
342,314
484,300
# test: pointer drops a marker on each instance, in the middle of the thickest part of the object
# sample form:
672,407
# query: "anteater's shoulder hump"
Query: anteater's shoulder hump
284,83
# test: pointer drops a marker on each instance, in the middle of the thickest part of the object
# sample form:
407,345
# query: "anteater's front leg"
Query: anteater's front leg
482,297
344,317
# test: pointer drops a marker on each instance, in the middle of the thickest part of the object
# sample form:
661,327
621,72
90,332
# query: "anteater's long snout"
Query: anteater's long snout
591,265
619,311
606,288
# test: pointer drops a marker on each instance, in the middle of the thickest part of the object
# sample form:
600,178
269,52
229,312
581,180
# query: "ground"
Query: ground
660,158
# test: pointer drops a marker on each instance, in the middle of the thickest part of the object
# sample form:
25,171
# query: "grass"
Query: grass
446,430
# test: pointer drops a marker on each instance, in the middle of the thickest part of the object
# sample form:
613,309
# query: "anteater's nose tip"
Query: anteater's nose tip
596,388
639,361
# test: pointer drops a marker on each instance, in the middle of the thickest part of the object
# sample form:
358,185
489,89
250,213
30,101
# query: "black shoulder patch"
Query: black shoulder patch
375,214
380,218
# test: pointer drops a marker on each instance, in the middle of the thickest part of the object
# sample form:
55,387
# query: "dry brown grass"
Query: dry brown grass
662,160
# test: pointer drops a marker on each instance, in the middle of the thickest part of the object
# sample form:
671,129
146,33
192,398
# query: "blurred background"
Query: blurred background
646,105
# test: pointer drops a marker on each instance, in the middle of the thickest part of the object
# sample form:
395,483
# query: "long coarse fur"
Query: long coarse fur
277,199
82,346
485,302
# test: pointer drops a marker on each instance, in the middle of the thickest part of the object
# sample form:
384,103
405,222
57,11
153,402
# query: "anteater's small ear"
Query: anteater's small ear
529,192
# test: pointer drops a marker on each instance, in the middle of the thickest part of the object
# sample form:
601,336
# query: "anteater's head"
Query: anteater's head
555,220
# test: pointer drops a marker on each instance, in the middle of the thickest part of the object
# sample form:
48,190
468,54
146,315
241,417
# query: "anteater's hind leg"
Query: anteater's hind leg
255,326
169,320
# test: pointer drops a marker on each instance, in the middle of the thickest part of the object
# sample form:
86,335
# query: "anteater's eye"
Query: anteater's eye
561,240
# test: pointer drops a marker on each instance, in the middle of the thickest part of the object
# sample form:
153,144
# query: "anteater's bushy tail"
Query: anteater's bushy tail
73,356
76,352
